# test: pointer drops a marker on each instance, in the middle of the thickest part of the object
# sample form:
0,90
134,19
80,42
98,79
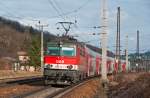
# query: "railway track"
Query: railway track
36,89
66,90
21,80
17,78
41,93
9,89
52,91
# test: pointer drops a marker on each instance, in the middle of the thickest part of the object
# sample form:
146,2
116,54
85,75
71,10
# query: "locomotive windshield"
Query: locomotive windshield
53,51
61,51
68,51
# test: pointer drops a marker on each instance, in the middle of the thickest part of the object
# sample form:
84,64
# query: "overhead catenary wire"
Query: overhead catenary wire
10,13
62,14
78,9
58,6
6,7
55,8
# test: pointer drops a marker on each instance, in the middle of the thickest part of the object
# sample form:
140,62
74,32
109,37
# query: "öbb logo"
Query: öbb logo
59,61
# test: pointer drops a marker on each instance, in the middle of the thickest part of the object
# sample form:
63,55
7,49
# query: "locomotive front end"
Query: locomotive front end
60,64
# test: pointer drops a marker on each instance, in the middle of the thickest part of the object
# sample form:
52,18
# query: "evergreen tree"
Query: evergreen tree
34,52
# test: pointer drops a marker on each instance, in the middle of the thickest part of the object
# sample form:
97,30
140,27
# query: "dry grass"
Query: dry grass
9,92
11,74
134,85
88,90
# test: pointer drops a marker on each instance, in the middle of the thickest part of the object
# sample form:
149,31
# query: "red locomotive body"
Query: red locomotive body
68,63
62,63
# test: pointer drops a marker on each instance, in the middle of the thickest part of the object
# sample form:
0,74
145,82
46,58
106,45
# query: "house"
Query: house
22,56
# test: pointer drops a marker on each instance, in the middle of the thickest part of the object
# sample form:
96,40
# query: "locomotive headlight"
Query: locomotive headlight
70,67
46,65
50,66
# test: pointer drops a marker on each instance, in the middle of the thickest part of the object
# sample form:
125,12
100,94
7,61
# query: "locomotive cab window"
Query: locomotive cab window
53,51
68,51
61,51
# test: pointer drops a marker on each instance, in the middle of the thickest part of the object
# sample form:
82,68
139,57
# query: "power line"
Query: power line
12,11
77,9
60,9
55,8
20,16
58,6
12,15
82,6
66,13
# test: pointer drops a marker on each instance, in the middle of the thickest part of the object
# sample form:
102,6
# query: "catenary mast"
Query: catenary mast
104,34
41,26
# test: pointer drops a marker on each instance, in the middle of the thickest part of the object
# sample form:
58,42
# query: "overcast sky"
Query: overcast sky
134,16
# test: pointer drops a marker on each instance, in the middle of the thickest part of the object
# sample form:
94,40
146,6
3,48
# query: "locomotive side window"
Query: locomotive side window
82,52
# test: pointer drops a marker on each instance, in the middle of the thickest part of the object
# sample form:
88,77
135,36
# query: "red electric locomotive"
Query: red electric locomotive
61,63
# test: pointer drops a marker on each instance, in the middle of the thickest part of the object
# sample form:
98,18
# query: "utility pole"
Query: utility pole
41,26
137,49
138,61
126,53
117,58
104,32
119,38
